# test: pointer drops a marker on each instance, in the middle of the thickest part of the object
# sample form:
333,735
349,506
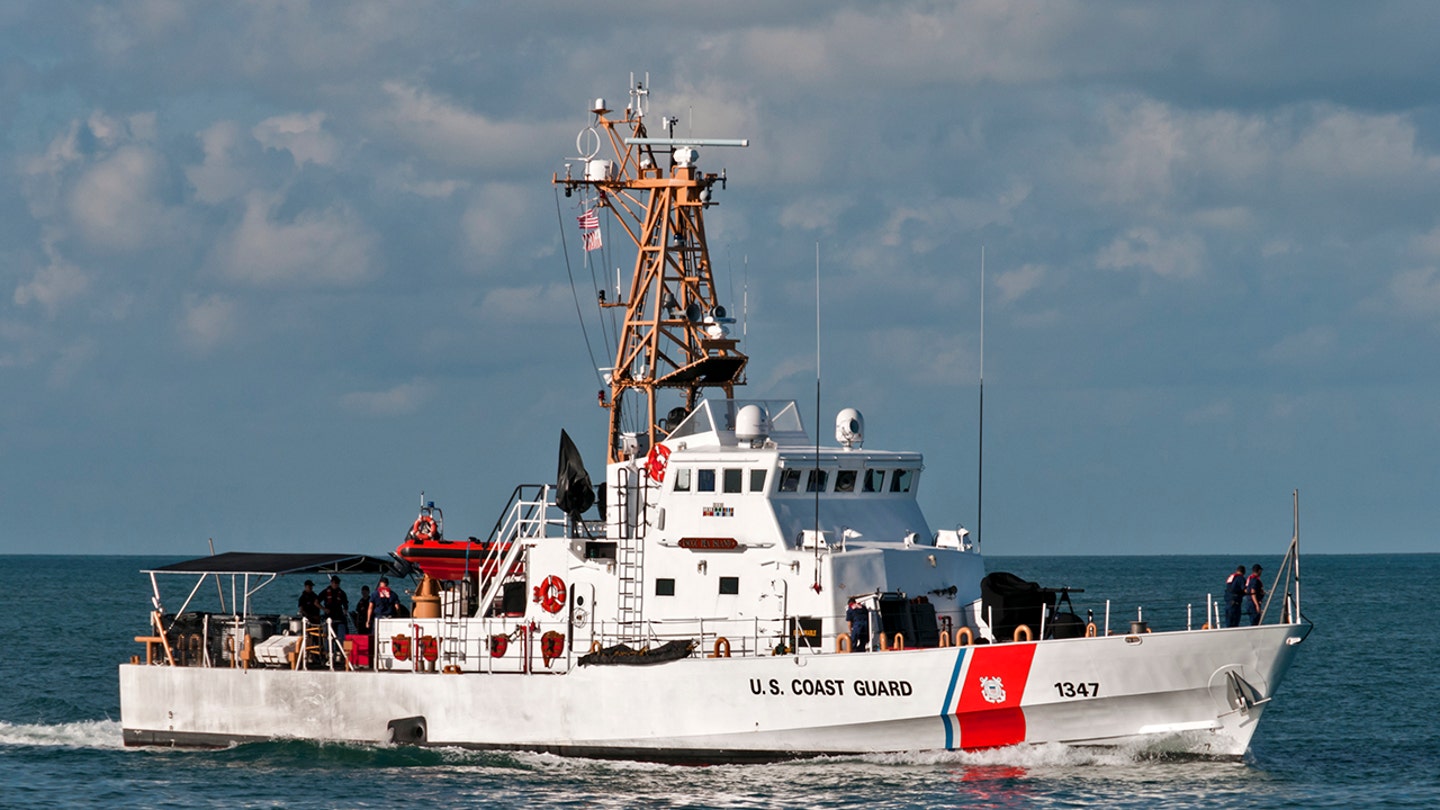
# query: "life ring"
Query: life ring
1091,631
722,647
551,594
964,637
424,529
1025,628
944,638
842,643
429,648
552,646
400,646
498,645
898,643
882,642
656,461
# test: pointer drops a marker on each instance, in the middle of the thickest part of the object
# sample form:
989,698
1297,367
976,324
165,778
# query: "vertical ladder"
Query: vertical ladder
630,553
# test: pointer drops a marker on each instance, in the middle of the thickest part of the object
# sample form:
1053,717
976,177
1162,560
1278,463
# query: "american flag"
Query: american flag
590,229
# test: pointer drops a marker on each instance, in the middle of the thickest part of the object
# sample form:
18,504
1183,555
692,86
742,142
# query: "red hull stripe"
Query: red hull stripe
993,684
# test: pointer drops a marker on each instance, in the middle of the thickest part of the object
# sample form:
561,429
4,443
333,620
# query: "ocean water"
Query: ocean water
1354,726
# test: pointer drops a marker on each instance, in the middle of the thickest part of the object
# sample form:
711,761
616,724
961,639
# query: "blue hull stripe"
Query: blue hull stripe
949,697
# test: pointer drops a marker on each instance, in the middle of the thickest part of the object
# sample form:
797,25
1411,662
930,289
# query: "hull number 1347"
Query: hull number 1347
1070,690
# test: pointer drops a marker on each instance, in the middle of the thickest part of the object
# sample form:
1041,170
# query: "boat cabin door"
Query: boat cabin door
582,619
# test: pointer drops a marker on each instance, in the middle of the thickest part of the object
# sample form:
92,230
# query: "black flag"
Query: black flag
575,493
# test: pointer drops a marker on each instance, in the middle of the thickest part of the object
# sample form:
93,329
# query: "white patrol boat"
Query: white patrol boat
700,614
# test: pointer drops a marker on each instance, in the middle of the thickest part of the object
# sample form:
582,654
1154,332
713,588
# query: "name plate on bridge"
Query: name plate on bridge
709,543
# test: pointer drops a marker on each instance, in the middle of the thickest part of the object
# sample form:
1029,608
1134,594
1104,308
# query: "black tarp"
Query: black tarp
249,562
626,656
1007,601
575,495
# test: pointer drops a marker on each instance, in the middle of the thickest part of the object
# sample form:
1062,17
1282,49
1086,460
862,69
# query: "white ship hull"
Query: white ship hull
1170,690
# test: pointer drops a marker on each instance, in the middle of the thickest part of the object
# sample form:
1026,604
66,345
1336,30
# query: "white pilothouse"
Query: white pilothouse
698,614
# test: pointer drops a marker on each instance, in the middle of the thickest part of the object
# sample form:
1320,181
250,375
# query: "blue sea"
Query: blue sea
1354,726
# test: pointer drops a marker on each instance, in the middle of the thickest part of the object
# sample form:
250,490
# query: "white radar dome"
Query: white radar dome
850,428
751,424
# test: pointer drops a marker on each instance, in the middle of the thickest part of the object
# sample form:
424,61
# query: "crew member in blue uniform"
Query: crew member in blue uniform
859,618
309,603
1234,596
1254,595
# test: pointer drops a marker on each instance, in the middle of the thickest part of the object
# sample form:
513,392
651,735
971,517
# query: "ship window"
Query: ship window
733,480
757,480
789,480
901,480
845,480
874,480
682,479
730,585
704,480
815,481
665,587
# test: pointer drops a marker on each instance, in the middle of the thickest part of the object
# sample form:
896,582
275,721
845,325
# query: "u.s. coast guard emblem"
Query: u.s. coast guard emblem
992,689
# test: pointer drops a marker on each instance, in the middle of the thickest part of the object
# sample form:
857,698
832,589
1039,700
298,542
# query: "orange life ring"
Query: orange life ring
722,647
552,646
656,461
898,643
842,643
400,645
498,645
1024,628
429,648
551,594
964,633
1091,631
424,529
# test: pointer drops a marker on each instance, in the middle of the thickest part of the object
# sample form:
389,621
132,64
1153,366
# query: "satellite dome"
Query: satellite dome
850,428
752,424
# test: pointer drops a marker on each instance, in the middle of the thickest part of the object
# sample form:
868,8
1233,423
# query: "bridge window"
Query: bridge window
757,480
815,481
874,480
665,587
845,480
705,481
789,480
682,479
733,480
729,585
901,480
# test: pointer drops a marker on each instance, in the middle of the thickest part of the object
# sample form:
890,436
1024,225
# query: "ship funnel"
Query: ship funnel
850,428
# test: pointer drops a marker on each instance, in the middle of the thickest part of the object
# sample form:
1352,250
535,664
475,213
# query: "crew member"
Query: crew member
1234,596
1254,595
310,603
859,618
337,605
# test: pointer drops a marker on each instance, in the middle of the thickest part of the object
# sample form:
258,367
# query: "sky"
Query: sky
269,270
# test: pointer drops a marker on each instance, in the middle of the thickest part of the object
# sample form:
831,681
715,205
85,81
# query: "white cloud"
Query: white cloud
218,177
543,304
1014,284
207,322
1313,345
115,202
1416,292
1181,256
402,399
302,135
52,285
452,135
329,247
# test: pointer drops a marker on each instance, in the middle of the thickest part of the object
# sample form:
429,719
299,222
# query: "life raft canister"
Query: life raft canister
400,644
424,529
498,646
551,594
429,648
552,646
655,462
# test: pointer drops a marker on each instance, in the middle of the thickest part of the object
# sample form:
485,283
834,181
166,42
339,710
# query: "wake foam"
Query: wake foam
81,734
